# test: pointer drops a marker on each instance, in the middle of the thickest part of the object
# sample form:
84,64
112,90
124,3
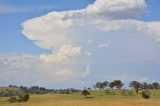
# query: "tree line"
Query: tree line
115,88
118,84
43,90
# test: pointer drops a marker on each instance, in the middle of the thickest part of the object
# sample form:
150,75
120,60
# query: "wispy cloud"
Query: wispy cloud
6,9
126,77
103,45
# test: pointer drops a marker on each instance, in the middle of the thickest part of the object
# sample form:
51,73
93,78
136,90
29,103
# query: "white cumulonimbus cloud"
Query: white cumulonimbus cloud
62,32
69,35
56,29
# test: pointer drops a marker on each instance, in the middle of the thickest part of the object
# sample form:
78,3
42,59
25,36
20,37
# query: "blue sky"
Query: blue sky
92,51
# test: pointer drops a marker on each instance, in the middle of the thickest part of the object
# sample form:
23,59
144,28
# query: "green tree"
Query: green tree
135,85
155,85
144,85
105,84
118,84
100,85
111,85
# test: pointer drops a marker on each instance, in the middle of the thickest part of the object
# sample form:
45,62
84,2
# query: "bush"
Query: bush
12,99
85,93
146,94
26,97
20,99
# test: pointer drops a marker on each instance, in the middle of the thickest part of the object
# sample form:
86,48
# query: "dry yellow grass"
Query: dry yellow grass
78,100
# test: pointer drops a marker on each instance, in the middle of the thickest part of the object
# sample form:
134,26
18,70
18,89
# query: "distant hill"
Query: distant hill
11,91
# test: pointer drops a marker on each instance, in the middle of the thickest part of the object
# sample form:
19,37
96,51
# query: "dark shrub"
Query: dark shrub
12,99
85,93
26,97
19,99
145,94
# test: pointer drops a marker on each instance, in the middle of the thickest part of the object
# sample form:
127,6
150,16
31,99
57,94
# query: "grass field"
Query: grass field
97,98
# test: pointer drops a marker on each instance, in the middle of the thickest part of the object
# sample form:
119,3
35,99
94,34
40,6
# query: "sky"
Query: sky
68,43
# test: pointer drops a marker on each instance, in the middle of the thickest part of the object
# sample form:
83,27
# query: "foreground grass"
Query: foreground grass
98,98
